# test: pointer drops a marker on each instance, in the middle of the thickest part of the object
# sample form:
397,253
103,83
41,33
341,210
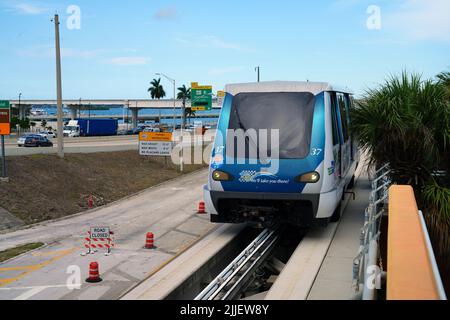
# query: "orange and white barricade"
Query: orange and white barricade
91,242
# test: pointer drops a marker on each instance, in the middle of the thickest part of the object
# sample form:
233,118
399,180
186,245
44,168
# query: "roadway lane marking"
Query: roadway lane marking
28,294
30,269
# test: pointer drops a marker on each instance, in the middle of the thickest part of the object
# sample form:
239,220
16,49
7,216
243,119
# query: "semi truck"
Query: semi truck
91,127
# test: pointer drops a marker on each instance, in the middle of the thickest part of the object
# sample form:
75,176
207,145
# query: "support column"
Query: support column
134,116
22,112
73,112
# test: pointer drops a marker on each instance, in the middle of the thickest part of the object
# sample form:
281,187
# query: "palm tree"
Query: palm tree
156,90
190,113
444,78
184,94
405,122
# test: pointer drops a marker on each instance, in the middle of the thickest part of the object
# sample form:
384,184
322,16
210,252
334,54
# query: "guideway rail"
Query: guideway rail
236,275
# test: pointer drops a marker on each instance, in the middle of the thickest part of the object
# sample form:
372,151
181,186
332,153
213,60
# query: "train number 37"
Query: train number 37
316,151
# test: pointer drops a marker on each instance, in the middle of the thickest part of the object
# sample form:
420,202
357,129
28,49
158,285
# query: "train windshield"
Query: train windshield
289,112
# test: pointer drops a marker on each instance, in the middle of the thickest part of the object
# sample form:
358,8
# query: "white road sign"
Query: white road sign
100,233
155,148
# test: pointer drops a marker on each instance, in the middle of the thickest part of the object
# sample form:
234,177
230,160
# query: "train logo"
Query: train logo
252,176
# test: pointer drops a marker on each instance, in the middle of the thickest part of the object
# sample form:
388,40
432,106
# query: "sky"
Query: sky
112,49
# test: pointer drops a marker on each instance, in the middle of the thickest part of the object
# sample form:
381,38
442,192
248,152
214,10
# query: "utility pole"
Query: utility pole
59,90
257,69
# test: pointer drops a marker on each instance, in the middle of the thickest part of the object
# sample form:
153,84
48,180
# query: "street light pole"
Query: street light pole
174,116
174,98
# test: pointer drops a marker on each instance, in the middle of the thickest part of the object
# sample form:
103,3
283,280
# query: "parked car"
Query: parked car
138,130
124,132
34,140
47,134
150,129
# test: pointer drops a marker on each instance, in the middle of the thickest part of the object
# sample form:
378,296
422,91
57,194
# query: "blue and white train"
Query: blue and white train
283,152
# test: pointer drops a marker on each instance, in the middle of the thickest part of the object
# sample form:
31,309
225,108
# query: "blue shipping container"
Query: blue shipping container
98,127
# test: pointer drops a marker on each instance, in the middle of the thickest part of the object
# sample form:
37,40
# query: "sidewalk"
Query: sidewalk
334,280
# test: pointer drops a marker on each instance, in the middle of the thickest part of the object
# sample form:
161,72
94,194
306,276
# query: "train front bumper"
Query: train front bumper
218,202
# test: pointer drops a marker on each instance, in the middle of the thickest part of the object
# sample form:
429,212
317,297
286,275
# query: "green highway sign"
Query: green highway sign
201,97
4,104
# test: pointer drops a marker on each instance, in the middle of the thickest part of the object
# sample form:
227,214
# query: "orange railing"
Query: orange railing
411,269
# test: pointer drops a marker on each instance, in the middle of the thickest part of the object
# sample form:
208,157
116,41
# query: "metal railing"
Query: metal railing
234,276
367,274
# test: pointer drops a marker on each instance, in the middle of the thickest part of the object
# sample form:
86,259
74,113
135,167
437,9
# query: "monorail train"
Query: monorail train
283,152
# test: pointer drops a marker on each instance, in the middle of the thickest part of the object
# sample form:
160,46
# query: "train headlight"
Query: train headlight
310,177
218,175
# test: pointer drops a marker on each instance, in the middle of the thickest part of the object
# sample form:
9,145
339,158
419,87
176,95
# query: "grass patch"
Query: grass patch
46,187
14,252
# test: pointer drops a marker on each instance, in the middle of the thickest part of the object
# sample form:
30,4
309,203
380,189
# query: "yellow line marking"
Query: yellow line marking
30,269
17,268
48,253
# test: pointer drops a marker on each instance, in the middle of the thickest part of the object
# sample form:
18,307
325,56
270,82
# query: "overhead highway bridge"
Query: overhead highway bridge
75,104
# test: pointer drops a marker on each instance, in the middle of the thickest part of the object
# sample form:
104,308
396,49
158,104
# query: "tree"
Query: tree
184,94
189,113
43,123
156,89
444,78
405,122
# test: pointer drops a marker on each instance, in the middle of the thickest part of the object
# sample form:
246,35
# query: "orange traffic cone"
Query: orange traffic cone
201,208
90,202
149,241
94,275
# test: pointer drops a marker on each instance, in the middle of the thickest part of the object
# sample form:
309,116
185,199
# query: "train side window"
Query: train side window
349,106
343,110
334,118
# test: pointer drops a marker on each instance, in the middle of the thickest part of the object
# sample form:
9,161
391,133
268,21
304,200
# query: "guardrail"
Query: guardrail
366,273
412,272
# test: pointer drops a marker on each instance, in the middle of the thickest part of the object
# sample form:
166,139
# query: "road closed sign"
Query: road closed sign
99,233
155,144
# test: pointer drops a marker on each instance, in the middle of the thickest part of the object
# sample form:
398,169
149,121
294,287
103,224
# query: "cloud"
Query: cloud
420,20
85,54
224,70
166,13
26,8
128,61
48,51
210,42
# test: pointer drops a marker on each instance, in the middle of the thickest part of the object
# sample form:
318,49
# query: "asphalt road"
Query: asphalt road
168,210
77,145
86,145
